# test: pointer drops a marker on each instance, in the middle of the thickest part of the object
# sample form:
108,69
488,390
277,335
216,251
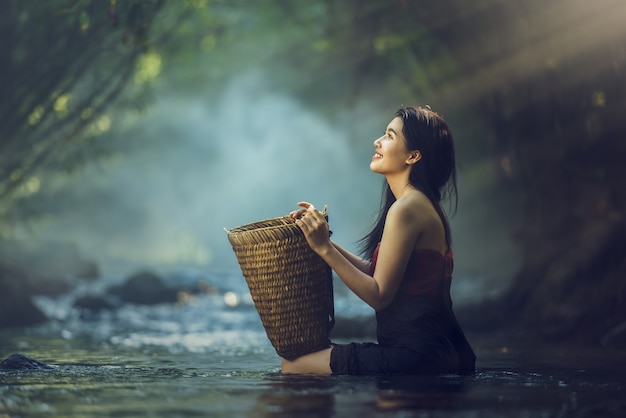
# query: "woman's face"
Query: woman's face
391,154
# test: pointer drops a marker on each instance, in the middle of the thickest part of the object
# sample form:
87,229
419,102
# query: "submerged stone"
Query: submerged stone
22,362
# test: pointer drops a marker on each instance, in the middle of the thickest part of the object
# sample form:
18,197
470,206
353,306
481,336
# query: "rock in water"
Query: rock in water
144,288
22,362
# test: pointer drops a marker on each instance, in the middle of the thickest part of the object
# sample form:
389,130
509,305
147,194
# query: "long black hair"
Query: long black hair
434,174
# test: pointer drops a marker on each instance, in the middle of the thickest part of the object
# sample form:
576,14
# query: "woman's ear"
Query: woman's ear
414,156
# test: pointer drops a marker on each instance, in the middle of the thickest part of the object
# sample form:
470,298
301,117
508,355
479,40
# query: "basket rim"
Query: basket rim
240,229
290,222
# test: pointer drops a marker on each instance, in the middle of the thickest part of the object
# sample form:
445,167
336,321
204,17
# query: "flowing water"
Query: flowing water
210,357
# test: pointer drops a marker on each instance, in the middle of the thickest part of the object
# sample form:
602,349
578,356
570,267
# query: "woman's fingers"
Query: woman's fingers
308,208
297,213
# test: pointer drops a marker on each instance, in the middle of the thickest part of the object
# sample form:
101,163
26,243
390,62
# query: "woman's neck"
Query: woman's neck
399,185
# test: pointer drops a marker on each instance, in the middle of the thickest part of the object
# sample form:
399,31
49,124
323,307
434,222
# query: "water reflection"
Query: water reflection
420,392
512,391
326,396
301,396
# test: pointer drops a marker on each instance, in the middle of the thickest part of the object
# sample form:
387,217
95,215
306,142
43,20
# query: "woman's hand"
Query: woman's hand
314,226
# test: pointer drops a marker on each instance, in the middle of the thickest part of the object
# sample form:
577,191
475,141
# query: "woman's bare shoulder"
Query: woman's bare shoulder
411,209
414,203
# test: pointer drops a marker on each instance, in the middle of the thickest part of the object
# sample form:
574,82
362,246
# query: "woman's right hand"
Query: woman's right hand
314,226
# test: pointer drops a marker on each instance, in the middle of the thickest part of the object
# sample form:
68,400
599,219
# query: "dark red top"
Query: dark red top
425,270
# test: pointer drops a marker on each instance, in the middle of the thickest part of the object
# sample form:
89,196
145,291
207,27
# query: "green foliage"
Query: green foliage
62,64
330,54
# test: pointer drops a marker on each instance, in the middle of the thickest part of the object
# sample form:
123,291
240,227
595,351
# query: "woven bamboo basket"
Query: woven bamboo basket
291,286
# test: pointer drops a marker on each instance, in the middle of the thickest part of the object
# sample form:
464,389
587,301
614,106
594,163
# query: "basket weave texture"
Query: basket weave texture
291,286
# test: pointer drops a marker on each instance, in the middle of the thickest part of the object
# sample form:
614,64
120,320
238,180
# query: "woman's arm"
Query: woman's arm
399,237
355,260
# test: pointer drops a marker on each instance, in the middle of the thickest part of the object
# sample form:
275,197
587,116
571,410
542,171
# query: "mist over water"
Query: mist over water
201,164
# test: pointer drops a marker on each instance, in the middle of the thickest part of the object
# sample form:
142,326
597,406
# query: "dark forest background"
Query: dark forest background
99,96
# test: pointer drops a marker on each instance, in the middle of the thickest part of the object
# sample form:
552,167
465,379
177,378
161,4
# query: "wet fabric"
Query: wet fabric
418,333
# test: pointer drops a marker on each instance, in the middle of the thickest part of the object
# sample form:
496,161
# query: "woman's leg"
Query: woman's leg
312,363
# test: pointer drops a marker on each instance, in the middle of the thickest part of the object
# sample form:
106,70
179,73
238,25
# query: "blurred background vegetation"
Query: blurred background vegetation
132,132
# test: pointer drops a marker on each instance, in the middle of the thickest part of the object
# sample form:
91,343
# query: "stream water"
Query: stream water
210,357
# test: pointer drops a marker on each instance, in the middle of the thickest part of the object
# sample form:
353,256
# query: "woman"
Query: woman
407,269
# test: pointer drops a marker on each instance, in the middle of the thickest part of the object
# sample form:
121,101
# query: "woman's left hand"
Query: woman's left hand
314,226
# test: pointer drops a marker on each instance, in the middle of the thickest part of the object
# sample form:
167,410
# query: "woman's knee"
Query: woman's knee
312,363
